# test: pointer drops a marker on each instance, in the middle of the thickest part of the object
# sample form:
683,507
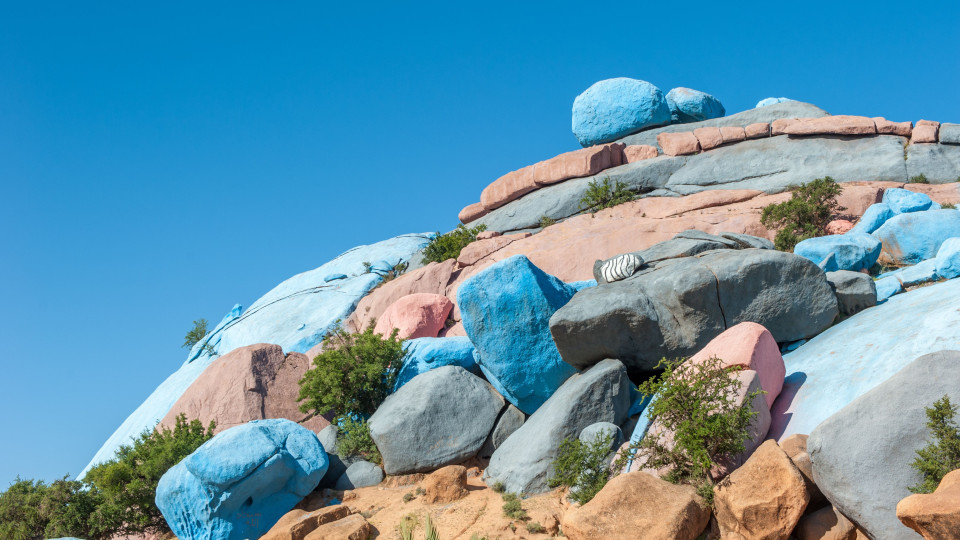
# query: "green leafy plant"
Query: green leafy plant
919,179
408,524
407,497
546,221
353,374
535,528
699,421
367,267
948,206
197,333
354,440
582,467
20,510
512,507
943,455
805,215
429,530
499,487
604,195
448,246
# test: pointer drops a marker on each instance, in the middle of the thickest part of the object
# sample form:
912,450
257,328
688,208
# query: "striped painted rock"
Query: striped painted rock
616,268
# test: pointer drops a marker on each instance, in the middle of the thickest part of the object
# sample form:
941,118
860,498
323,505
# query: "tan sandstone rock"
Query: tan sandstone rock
841,124
733,134
757,131
795,446
638,152
779,126
297,524
763,499
886,127
415,315
926,131
678,144
472,212
483,235
638,505
577,164
708,137
352,527
934,515
509,187
839,226
825,524
445,485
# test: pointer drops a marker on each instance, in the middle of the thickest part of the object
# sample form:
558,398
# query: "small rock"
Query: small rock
510,420
709,137
855,291
886,127
757,131
358,475
825,524
483,235
688,105
352,527
871,220
838,226
795,446
780,125
771,101
678,144
590,433
424,354
733,134
949,133
934,515
577,164
639,152
415,316
948,258
852,251
472,212
750,346
833,125
925,132
445,485
297,524
903,201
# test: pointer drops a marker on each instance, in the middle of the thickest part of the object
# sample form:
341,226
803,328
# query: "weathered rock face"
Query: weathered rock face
903,201
440,417
524,461
506,309
934,515
510,420
915,237
416,315
445,485
352,527
249,383
857,354
260,469
432,278
675,308
948,259
833,125
795,446
750,346
855,291
873,439
612,108
852,251
297,524
635,503
688,105
825,524
763,499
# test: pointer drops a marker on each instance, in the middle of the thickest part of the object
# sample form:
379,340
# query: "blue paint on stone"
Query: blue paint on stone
902,201
241,482
614,108
506,310
917,236
424,354
688,105
851,251
948,258
875,216
888,287
771,101
922,272
334,277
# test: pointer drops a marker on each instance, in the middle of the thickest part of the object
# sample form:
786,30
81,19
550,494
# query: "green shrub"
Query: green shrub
948,206
942,456
919,179
599,196
354,440
448,246
805,215
499,487
197,333
695,405
512,507
353,374
546,221
20,517
582,467
68,506
535,528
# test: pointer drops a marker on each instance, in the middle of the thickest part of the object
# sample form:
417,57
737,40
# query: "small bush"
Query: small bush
354,440
948,206
512,507
942,456
805,215
420,491
695,405
353,374
499,487
546,222
535,528
604,195
198,332
407,497
448,246
582,467
919,179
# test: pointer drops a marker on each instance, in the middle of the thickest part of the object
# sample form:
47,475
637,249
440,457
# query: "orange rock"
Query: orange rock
472,212
483,235
934,515
833,125
795,446
579,163
445,485
825,524
432,278
757,131
456,330
480,248
509,187
886,127
750,346
678,144
779,126
925,132
733,134
352,527
639,152
708,137
839,226
297,524
764,498
415,316
638,505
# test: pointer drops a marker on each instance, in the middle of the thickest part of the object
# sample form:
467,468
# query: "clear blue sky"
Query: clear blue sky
159,164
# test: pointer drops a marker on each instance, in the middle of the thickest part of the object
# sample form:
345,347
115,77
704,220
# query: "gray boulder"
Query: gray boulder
589,434
524,461
855,291
439,418
674,309
949,133
862,454
338,465
940,163
360,474
510,420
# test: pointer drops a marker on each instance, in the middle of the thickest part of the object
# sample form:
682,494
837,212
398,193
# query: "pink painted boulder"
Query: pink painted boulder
925,132
472,212
733,134
432,278
415,316
509,187
839,226
752,346
757,131
678,144
577,164
780,125
886,127
840,124
708,137
639,152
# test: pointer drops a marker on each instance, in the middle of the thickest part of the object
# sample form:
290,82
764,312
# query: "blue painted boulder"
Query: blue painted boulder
948,259
875,216
241,482
851,251
887,287
506,311
615,108
914,237
424,354
688,105
903,201
771,101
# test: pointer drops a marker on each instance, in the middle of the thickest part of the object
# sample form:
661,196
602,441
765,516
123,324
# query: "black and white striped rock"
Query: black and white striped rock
616,268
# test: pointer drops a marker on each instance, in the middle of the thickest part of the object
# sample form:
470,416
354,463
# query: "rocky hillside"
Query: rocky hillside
540,330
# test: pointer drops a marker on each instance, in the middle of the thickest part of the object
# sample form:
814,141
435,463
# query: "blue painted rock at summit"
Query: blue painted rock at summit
688,105
766,102
506,311
424,354
615,108
917,236
851,251
239,483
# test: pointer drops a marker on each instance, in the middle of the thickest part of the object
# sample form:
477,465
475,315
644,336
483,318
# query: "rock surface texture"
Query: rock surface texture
934,515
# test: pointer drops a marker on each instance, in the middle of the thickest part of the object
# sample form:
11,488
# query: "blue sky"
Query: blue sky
159,163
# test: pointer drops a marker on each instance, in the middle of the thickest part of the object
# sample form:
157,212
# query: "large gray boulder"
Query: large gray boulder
524,461
940,163
510,420
360,474
439,418
862,454
855,291
675,308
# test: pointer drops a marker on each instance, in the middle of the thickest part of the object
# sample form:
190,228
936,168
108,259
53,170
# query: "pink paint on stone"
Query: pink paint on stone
432,278
576,164
886,127
752,346
733,134
708,137
926,131
940,193
415,316
509,187
480,248
472,212
457,330
678,144
839,226
779,126
757,131
483,235
639,152
841,124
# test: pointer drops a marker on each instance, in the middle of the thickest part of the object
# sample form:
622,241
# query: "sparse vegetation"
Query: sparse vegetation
943,454
407,497
546,221
512,507
448,246
408,524
499,487
429,531
604,195
198,332
948,206
354,440
535,528
582,467
420,491
919,179
805,215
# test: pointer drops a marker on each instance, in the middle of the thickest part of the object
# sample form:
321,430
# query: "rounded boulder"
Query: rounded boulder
689,105
614,108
